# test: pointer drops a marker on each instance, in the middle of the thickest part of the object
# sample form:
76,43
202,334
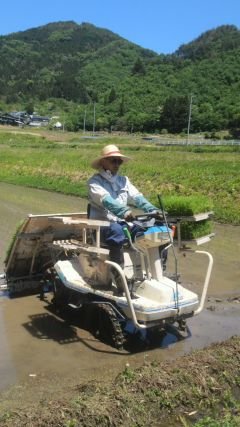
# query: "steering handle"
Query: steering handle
149,215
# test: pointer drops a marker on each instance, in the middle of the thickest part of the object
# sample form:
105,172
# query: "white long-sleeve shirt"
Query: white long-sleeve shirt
109,196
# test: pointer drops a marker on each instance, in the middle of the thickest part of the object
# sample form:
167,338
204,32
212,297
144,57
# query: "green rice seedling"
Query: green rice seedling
187,205
194,230
180,206
10,246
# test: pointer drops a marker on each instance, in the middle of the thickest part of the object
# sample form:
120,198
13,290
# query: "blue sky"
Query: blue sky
159,25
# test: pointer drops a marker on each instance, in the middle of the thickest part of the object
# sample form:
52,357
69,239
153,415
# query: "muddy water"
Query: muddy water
35,341
225,249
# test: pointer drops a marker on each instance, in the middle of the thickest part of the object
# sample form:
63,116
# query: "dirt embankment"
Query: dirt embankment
205,383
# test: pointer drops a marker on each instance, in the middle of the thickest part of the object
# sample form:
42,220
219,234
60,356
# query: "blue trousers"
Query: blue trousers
114,237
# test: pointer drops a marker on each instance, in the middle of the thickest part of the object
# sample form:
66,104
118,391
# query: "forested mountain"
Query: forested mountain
66,67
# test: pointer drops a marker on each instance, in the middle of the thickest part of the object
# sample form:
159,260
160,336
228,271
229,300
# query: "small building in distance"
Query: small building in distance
36,120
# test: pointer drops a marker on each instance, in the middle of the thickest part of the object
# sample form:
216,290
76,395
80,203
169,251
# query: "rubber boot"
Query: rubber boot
164,256
116,255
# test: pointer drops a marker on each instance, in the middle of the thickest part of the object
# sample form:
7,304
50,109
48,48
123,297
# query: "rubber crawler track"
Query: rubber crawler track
106,326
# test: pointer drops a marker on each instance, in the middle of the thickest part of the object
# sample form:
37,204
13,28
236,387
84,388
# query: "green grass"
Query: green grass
180,175
227,420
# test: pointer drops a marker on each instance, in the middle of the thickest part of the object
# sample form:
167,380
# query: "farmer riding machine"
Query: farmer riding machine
63,253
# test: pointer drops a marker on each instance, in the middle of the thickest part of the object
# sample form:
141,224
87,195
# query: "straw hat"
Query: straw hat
109,151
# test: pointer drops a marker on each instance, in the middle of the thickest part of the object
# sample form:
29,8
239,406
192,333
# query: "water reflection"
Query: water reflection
7,367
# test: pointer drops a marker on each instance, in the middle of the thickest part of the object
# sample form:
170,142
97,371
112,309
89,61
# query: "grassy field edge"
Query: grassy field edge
200,389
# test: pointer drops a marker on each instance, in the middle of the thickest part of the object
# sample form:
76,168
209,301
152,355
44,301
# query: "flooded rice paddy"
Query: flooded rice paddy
35,341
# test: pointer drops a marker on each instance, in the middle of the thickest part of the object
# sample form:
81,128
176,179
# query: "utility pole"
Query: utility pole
84,121
94,116
189,118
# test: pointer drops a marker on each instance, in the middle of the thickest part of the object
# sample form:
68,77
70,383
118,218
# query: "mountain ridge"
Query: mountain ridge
133,87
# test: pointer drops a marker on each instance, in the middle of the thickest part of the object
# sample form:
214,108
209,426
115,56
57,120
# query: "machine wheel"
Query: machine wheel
179,329
105,326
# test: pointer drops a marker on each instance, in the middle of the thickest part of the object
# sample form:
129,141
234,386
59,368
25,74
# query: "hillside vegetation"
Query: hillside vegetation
65,68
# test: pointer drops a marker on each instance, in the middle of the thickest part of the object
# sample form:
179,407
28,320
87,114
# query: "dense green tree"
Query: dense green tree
112,95
234,125
138,67
29,108
122,106
67,65
174,116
